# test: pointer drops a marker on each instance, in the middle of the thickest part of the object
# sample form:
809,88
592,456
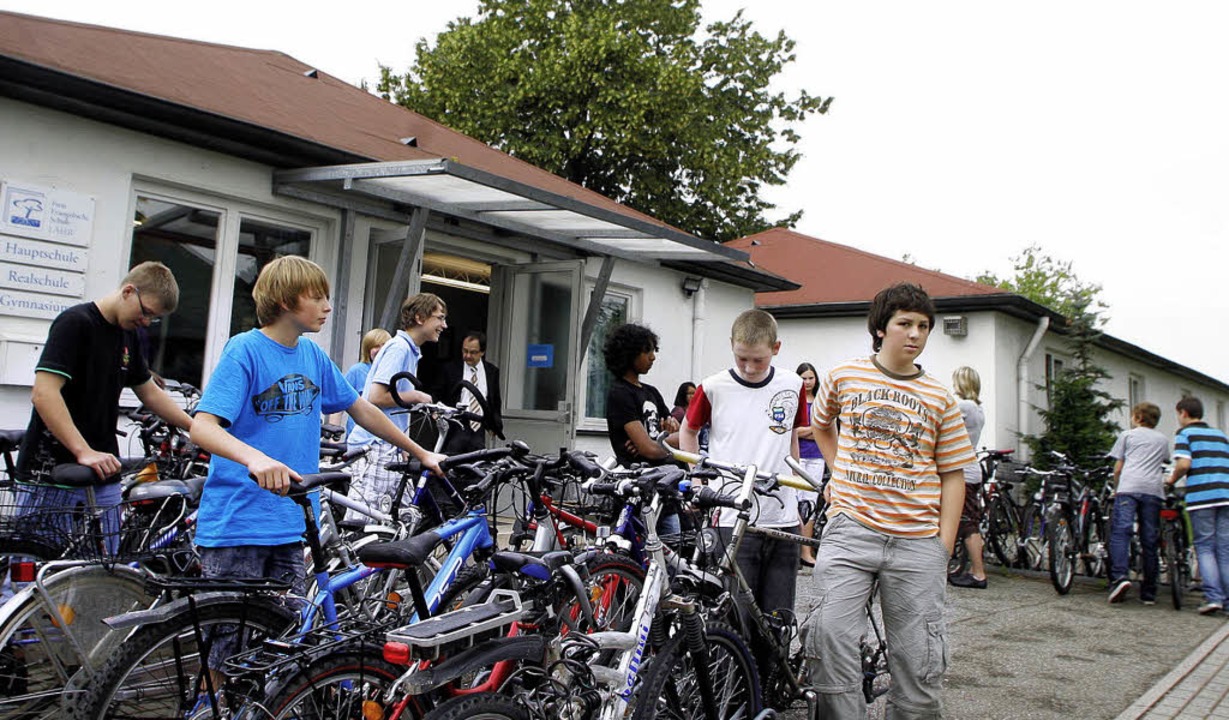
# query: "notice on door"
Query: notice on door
540,356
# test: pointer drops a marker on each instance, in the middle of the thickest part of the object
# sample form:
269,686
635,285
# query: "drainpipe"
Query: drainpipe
699,311
1023,382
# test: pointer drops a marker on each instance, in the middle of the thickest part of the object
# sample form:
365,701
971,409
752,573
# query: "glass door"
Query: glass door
540,336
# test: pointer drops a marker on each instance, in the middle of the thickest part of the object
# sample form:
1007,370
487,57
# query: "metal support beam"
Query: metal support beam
411,250
341,293
595,302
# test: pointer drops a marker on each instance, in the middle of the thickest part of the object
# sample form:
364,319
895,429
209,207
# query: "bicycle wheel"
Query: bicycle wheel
345,684
958,562
155,673
670,688
485,706
1095,545
1033,537
38,656
1179,571
614,586
1061,551
1004,533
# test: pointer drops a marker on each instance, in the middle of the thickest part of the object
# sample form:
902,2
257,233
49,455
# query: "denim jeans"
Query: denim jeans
912,577
1128,508
1211,530
251,562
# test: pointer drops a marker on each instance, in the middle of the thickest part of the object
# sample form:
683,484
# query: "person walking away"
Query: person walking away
483,375
896,493
1201,455
966,383
811,459
1139,454
752,409
260,418
421,320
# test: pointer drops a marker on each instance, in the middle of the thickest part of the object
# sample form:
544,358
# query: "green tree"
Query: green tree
625,97
1051,282
1077,421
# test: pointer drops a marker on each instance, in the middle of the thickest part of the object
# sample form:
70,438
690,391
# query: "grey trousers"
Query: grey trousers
912,582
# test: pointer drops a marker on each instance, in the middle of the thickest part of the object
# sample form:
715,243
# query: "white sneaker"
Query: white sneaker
1209,608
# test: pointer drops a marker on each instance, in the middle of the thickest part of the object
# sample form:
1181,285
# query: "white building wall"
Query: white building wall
53,149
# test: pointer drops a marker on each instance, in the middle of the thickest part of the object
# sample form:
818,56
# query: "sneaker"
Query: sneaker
967,581
1210,608
1148,601
1119,590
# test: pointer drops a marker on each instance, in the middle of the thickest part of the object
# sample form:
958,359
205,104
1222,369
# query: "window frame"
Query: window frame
633,298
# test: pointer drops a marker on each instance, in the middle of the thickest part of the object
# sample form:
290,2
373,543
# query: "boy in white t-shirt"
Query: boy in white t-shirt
753,409
1139,454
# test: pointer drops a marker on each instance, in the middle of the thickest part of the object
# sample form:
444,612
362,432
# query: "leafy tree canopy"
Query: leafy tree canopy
625,97
1051,282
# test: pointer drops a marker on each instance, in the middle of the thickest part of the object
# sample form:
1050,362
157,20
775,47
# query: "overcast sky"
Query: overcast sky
961,131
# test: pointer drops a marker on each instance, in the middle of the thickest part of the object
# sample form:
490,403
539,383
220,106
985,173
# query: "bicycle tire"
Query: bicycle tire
667,694
1095,544
1061,552
348,683
36,659
1033,538
958,561
127,685
483,706
1004,532
1175,563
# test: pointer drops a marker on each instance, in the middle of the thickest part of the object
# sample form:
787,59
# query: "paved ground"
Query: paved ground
1019,651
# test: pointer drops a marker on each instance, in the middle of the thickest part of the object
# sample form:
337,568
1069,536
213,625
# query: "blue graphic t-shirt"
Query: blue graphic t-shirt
270,397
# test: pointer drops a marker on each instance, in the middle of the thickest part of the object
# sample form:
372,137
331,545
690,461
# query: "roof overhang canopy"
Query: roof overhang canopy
451,188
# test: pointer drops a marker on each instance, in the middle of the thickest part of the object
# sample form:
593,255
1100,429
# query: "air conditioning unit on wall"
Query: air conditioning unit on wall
956,326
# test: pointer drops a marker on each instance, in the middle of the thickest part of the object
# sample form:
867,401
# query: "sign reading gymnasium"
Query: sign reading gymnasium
46,213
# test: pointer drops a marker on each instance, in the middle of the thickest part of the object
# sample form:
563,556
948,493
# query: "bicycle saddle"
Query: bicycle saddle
10,440
401,554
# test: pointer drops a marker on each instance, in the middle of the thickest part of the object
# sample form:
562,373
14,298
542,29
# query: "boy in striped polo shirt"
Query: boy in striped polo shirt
897,491
1201,454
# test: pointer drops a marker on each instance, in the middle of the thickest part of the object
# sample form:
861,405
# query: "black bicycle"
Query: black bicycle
1175,549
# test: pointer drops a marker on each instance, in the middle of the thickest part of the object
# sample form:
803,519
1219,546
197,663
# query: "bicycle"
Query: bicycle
1175,549
1004,516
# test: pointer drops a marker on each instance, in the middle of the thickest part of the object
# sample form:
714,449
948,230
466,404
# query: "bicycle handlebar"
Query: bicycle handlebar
798,482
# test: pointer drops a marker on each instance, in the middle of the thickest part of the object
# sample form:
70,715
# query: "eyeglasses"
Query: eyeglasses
440,316
146,313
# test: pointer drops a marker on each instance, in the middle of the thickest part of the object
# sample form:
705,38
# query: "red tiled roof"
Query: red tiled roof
268,89
832,273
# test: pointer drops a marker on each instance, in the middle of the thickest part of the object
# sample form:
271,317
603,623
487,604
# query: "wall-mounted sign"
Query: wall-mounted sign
15,302
42,254
41,280
45,213
540,356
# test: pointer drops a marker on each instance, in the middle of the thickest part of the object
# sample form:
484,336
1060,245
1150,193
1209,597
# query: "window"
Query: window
185,239
1135,391
613,313
1054,368
199,237
1220,414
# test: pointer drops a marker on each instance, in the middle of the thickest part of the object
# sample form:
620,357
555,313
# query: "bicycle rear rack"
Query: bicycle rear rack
459,629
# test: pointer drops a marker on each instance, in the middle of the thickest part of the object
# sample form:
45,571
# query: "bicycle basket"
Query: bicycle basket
49,523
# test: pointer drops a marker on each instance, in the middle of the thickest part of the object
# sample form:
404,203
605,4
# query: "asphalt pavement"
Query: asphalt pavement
1020,651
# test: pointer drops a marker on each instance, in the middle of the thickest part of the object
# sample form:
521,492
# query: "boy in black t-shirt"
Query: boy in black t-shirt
635,410
91,355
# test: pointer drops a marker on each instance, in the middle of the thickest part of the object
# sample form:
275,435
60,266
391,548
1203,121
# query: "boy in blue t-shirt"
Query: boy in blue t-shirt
260,416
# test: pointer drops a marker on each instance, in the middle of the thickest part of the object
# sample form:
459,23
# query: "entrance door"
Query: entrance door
539,332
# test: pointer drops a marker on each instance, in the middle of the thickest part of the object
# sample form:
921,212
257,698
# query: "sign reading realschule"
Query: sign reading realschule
43,235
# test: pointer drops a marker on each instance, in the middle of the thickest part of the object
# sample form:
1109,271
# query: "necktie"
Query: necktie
474,407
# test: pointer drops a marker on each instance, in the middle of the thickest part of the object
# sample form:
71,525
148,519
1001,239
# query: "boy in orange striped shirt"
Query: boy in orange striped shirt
897,490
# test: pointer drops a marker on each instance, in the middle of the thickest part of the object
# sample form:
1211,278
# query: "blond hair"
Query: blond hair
282,282
371,340
754,327
967,383
154,278
420,305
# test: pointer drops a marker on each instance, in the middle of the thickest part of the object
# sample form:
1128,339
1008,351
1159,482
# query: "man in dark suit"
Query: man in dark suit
480,373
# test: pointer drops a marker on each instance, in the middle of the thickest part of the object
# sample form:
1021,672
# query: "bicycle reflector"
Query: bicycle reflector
397,653
22,572
1169,513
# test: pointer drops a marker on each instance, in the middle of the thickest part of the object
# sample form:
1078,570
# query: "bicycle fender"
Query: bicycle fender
14,604
528,647
161,613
